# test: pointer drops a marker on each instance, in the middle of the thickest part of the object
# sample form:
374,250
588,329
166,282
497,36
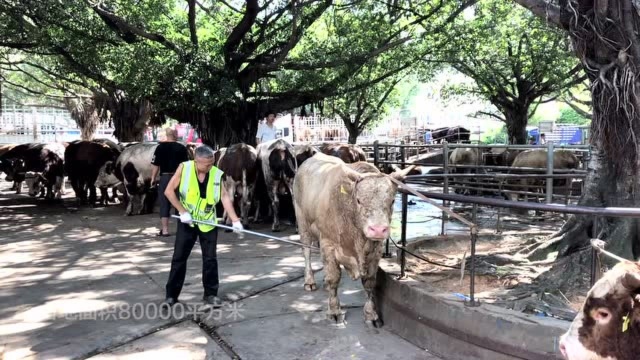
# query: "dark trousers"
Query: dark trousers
165,205
185,240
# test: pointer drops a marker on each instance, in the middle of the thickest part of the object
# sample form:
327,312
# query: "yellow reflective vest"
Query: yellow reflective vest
200,209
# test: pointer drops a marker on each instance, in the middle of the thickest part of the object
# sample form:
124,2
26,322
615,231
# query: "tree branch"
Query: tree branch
129,32
340,62
18,45
490,114
192,22
238,32
582,113
543,9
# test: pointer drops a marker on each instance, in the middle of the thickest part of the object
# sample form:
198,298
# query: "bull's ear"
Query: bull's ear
354,176
401,174
631,281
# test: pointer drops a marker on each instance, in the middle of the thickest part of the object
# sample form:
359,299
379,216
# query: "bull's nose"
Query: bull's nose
378,231
563,349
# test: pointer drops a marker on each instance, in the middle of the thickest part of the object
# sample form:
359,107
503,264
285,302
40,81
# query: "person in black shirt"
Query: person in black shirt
166,159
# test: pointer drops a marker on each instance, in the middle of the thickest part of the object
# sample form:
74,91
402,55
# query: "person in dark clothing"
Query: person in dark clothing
195,190
166,159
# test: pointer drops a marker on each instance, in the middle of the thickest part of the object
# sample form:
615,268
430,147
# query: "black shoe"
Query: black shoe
169,302
213,300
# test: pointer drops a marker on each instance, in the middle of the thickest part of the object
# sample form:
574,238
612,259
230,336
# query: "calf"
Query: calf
608,325
346,209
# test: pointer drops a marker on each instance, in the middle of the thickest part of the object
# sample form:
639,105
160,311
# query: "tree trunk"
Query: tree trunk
517,125
83,112
130,117
612,61
353,135
605,186
222,126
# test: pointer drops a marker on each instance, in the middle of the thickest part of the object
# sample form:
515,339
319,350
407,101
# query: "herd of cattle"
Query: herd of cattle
126,168
514,161
342,204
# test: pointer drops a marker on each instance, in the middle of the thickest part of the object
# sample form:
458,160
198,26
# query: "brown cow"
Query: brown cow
608,325
304,152
348,153
238,163
562,159
346,209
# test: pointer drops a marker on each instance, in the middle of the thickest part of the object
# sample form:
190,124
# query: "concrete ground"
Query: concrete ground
87,283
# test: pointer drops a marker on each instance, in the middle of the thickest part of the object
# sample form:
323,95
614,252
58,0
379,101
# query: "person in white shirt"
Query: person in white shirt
266,131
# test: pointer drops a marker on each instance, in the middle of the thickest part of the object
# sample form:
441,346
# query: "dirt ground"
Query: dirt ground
503,274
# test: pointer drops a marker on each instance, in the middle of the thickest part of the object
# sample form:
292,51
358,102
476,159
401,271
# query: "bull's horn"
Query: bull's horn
401,174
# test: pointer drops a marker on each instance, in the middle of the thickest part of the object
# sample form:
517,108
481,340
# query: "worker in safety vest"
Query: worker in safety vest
200,187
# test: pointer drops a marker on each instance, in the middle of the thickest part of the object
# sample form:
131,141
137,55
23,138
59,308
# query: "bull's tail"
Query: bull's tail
282,163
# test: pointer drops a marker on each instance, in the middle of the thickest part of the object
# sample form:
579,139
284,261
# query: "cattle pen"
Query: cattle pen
541,304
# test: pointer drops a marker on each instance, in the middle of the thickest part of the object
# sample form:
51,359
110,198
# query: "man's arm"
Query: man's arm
154,173
170,192
259,134
154,165
228,205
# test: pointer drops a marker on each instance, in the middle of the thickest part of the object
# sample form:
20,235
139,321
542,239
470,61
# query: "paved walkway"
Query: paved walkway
87,283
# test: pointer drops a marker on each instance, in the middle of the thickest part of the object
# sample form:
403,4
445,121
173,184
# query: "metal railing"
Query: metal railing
407,190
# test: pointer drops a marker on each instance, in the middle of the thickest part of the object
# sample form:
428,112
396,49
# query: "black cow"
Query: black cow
133,168
40,164
83,160
238,162
277,161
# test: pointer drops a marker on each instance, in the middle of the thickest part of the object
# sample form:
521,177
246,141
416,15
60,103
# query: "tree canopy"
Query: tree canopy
222,65
515,59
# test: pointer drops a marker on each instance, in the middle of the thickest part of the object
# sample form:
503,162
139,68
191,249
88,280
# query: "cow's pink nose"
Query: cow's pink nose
379,231
563,349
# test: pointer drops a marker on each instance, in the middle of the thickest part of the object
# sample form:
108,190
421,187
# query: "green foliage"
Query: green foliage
211,64
514,58
495,136
570,116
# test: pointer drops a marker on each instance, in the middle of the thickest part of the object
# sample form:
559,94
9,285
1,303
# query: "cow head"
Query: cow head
374,195
608,325
35,182
106,176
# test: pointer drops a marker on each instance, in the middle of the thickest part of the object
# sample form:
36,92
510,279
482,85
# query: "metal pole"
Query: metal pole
472,282
549,193
445,189
402,155
403,234
594,253
376,154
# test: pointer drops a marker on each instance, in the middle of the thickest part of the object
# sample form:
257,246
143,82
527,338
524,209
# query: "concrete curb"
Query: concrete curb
444,325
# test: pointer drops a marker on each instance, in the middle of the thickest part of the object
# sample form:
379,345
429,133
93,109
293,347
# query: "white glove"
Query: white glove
185,217
237,228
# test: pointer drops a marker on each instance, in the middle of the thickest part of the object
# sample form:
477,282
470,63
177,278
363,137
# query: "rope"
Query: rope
423,258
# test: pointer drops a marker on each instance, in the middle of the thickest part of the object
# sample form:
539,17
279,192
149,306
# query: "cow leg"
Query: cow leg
62,189
306,238
245,202
92,193
371,317
18,187
331,282
104,196
130,205
275,205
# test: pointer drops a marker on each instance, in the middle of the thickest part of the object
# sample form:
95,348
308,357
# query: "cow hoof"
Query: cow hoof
374,324
337,319
275,229
310,287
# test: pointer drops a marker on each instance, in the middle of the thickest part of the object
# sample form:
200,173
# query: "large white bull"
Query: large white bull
346,209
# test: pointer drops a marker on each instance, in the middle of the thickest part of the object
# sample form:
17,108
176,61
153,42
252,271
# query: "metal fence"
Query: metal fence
25,124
